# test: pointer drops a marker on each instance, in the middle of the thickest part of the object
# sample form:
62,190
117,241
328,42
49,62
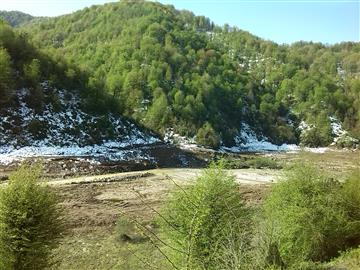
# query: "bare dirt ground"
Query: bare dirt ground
93,205
97,201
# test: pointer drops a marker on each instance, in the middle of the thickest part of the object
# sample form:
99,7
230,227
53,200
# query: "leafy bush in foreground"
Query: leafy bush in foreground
348,260
307,218
350,195
30,221
207,224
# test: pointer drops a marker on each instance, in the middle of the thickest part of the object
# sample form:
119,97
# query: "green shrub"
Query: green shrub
316,137
207,136
346,141
207,224
30,221
350,195
253,162
349,260
308,266
238,163
305,218
38,128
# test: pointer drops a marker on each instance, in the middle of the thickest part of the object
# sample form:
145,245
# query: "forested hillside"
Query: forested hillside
168,68
15,18
23,65
43,105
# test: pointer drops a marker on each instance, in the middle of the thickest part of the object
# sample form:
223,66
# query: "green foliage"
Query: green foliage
347,260
307,218
15,18
316,137
264,162
253,162
346,141
157,116
168,68
30,221
206,222
6,79
23,66
32,72
351,203
319,134
37,129
207,136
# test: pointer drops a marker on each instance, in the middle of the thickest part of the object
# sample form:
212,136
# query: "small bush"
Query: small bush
30,221
238,163
350,194
306,220
316,136
37,129
253,162
207,224
347,141
349,260
207,136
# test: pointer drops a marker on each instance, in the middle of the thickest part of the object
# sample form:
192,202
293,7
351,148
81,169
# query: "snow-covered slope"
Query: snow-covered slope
62,128
246,141
249,141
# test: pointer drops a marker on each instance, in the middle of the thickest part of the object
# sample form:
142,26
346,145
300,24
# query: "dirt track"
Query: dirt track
244,176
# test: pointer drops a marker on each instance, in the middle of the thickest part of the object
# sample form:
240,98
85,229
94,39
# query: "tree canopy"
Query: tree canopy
167,68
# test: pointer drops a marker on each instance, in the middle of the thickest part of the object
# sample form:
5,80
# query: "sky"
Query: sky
282,21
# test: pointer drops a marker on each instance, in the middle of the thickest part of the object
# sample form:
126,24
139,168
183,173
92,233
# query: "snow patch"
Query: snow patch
67,131
182,141
248,141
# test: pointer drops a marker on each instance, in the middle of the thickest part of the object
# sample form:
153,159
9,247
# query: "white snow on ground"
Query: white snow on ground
69,132
10,155
248,141
182,141
337,129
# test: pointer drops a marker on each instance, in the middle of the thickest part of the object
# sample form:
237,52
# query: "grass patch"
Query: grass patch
102,249
256,162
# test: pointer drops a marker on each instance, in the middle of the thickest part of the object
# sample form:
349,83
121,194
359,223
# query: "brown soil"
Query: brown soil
95,203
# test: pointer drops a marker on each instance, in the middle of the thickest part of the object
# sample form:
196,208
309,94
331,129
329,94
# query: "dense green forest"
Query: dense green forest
23,65
168,68
15,18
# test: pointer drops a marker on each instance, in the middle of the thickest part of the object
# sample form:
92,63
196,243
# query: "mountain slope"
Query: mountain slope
167,68
15,18
38,116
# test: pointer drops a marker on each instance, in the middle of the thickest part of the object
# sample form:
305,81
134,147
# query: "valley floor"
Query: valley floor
95,204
